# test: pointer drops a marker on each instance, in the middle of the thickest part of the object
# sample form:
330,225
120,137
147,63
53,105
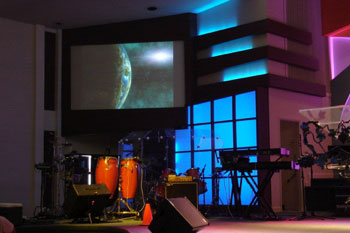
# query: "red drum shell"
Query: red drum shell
107,173
128,174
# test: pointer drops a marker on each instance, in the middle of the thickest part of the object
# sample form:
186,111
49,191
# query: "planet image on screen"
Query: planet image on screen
124,77
103,76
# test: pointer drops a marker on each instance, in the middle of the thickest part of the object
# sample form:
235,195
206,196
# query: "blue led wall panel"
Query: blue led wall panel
201,113
183,162
246,193
223,109
246,105
223,134
206,198
246,133
225,190
202,137
201,160
211,135
183,140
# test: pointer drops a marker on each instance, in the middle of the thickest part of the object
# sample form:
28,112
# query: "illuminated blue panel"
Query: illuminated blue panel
247,193
201,160
189,115
202,137
206,198
223,109
205,29
183,140
210,6
182,162
246,105
223,135
253,159
245,70
246,133
225,189
201,113
232,46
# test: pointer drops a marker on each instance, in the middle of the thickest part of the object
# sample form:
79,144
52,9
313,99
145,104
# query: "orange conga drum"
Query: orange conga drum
128,176
107,173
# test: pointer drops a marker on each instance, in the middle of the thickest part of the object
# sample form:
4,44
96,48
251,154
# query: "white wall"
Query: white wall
285,105
18,150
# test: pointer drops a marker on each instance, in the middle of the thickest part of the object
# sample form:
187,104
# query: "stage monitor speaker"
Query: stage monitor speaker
82,199
182,189
176,215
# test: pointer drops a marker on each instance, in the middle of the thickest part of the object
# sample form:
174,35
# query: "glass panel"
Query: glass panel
182,162
183,140
223,109
201,113
223,133
206,198
202,137
225,190
246,133
245,105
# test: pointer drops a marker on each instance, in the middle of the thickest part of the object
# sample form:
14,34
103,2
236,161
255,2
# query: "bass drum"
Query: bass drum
128,176
107,173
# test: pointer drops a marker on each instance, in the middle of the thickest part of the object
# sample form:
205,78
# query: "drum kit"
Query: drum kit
123,177
194,173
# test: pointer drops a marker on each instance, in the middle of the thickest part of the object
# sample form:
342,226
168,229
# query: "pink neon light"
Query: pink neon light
339,51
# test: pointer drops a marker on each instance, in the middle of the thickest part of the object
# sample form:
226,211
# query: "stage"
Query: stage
216,225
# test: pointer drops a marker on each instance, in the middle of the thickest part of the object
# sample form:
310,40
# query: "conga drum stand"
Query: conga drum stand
125,202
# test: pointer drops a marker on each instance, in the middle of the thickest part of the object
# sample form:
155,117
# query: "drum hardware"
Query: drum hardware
127,186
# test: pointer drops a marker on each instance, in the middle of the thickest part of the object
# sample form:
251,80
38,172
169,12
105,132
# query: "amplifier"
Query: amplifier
182,189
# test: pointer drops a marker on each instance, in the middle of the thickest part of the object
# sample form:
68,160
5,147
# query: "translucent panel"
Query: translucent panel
225,190
247,193
202,160
223,133
182,162
246,133
223,109
202,137
206,198
201,113
246,105
183,140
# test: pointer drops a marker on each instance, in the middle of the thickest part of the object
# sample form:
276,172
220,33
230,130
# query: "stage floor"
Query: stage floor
217,225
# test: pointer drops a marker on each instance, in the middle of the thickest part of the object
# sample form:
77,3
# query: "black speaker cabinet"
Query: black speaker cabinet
176,215
82,199
182,189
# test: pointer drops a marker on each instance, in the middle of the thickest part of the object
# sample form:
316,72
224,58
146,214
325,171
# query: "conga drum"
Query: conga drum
107,173
128,177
